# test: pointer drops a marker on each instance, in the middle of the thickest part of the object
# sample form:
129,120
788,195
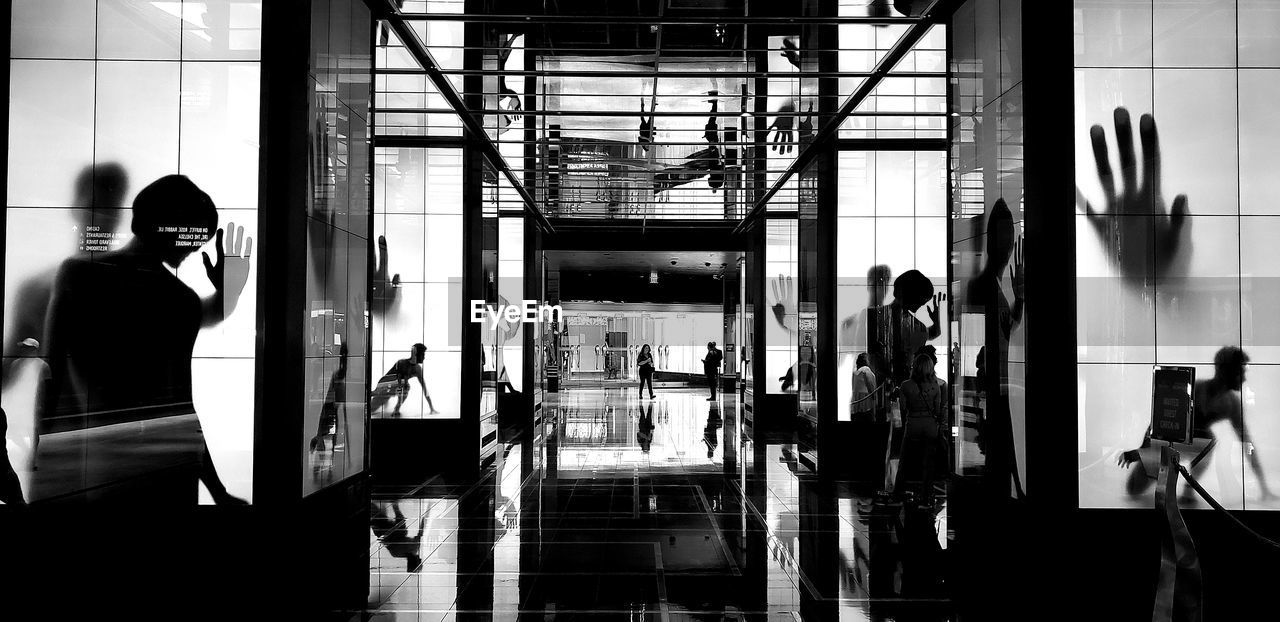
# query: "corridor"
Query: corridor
662,509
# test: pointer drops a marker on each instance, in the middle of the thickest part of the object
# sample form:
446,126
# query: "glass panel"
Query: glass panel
220,130
1259,132
135,128
1259,31
222,30
1194,33
50,103
139,30
52,29
1113,33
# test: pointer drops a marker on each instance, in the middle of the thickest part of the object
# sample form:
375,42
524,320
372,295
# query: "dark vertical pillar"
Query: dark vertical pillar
333,521
1048,87
282,225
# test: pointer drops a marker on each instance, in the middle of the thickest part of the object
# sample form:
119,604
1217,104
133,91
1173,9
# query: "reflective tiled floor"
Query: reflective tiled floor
666,509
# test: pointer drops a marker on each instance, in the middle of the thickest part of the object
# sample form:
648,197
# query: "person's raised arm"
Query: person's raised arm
228,274
935,316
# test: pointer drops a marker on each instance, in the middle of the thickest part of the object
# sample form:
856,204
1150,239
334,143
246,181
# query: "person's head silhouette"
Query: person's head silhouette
711,345
417,353
1230,365
922,368
173,218
912,289
102,188
878,279
862,360
1000,236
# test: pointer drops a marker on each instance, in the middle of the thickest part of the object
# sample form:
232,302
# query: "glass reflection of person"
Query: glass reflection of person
99,193
396,382
644,429
856,330
1000,319
1216,400
393,532
803,371
711,432
148,303
704,162
645,134
335,400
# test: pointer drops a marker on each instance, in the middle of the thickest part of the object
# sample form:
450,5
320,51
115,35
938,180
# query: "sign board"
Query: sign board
1172,403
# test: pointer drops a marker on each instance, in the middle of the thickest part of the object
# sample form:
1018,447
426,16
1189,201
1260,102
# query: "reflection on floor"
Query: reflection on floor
659,509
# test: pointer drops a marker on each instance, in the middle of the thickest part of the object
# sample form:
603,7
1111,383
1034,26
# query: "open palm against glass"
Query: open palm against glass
783,126
1129,240
385,290
784,296
228,272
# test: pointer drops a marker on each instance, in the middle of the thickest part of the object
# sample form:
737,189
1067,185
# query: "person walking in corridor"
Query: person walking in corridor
644,362
711,367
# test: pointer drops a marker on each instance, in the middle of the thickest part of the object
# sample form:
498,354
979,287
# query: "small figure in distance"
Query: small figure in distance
711,367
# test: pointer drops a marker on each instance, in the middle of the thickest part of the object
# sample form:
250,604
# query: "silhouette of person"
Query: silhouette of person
396,382
711,368
335,399
645,134
384,290
99,193
854,330
508,99
711,433
999,321
704,162
894,334
393,532
807,132
644,429
804,370
135,292
863,404
644,363
10,488
1139,247
711,134
922,411
791,51
1217,399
